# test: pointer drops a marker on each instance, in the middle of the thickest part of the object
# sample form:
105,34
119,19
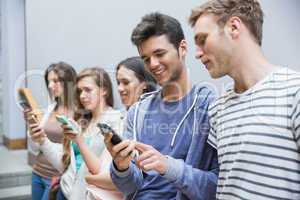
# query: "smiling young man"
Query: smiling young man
168,127
255,125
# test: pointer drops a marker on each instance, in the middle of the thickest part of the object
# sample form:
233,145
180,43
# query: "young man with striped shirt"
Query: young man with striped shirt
255,126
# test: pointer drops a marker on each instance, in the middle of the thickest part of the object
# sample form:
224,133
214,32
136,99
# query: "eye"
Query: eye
202,40
78,91
160,54
87,90
146,60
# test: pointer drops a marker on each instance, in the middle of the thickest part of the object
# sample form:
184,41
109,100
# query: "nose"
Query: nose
82,95
120,88
199,52
154,62
51,85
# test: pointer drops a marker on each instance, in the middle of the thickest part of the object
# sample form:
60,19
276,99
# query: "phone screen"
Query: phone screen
24,105
23,102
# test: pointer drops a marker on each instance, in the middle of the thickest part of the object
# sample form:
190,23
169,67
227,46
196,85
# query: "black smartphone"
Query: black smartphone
105,129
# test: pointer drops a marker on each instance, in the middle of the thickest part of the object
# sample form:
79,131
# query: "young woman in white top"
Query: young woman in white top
133,81
81,154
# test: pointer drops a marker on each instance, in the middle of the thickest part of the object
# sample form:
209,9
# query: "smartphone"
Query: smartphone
106,129
66,121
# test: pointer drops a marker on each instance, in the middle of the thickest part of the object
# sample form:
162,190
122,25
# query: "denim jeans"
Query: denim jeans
39,187
60,195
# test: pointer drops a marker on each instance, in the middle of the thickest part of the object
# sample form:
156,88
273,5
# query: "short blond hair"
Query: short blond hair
249,11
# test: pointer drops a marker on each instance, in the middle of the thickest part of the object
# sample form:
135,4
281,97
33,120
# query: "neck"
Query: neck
61,109
99,111
175,90
249,67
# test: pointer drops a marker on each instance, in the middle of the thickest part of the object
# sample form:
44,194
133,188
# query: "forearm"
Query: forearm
102,180
192,182
91,160
128,181
53,152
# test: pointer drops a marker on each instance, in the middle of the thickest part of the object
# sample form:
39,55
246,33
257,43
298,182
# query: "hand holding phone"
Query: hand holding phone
70,123
106,129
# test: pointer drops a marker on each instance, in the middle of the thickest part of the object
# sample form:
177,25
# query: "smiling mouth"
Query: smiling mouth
158,72
124,96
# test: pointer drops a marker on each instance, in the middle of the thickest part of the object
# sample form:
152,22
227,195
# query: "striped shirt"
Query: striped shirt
257,135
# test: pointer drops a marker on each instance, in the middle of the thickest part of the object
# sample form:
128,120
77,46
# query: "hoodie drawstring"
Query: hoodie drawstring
181,122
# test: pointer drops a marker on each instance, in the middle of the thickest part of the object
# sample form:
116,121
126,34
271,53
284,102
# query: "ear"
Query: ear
104,92
233,27
182,49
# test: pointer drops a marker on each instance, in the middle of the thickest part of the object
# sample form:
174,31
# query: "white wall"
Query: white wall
12,64
92,32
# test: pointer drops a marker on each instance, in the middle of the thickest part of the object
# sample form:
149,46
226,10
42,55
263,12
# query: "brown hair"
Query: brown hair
102,79
249,11
82,116
67,76
136,64
157,24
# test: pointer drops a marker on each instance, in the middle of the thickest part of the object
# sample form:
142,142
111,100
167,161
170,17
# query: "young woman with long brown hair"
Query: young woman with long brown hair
81,153
60,79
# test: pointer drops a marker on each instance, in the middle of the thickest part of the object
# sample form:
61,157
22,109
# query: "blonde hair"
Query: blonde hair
249,11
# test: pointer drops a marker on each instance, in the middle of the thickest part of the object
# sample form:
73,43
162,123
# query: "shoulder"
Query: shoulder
283,81
143,102
220,101
205,93
112,114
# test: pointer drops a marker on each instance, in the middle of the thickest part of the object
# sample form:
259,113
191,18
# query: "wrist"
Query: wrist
79,140
42,140
164,166
120,168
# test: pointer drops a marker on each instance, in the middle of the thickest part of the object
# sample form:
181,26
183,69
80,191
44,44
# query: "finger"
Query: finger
37,135
142,147
143,163
36,129
150,166
122,145
125,152
27,110
66,128
70,132
144,156
70,136
33,125
107,139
